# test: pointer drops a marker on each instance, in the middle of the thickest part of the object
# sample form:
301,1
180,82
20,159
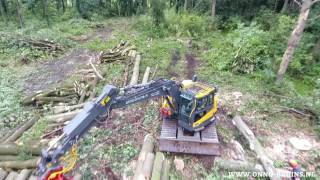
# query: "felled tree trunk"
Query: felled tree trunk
135,73
12,175
157,166
146,76
295,38
28,164
256,147
147,147
148,165
14,149
62,109
3,174
24,174
9,158
63,117
18,133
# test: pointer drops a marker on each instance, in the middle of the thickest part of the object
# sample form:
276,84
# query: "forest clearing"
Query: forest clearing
256,62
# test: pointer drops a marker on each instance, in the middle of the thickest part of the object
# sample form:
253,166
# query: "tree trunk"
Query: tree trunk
63,6
24,174
256,147
13,149
185,5
18,133
213,8
45,11
3,13
285,6
19,13
31,163
294,39
135,73
146,76
147,147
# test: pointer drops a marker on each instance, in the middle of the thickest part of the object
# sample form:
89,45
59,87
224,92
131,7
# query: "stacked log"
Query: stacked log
43,45
150,166
65,95
161,167
135,73
121,52
24,174
146,151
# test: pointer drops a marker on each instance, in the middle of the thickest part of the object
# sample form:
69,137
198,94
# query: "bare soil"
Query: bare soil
191,65
103,33
175,57
52,72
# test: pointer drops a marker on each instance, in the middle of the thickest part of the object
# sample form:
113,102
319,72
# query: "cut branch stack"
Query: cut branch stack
64,94
121,52
43,45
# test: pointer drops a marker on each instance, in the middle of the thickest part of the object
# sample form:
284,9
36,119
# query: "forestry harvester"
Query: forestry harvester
188,107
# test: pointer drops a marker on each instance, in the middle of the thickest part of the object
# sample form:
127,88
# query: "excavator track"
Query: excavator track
173,139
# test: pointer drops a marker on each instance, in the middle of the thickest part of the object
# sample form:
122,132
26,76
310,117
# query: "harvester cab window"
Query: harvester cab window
186,105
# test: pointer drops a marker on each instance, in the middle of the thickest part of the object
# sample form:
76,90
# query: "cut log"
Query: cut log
146,76
3,174
77,177
18,133
157,166
147,166
63,117
33,178
53,99
62,109
256,147
154,72
235,165
24,174
126,73
28,164
82,97
147,147
165,170
135,73
9,158
14,149
12,175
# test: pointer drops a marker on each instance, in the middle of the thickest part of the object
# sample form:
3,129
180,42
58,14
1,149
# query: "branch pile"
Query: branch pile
43,45
122,52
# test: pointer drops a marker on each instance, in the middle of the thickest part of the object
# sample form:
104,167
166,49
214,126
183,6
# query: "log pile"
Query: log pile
149,165
66,101
122,52
43,45
64,94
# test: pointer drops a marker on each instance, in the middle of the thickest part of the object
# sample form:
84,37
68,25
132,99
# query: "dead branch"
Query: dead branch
95,70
